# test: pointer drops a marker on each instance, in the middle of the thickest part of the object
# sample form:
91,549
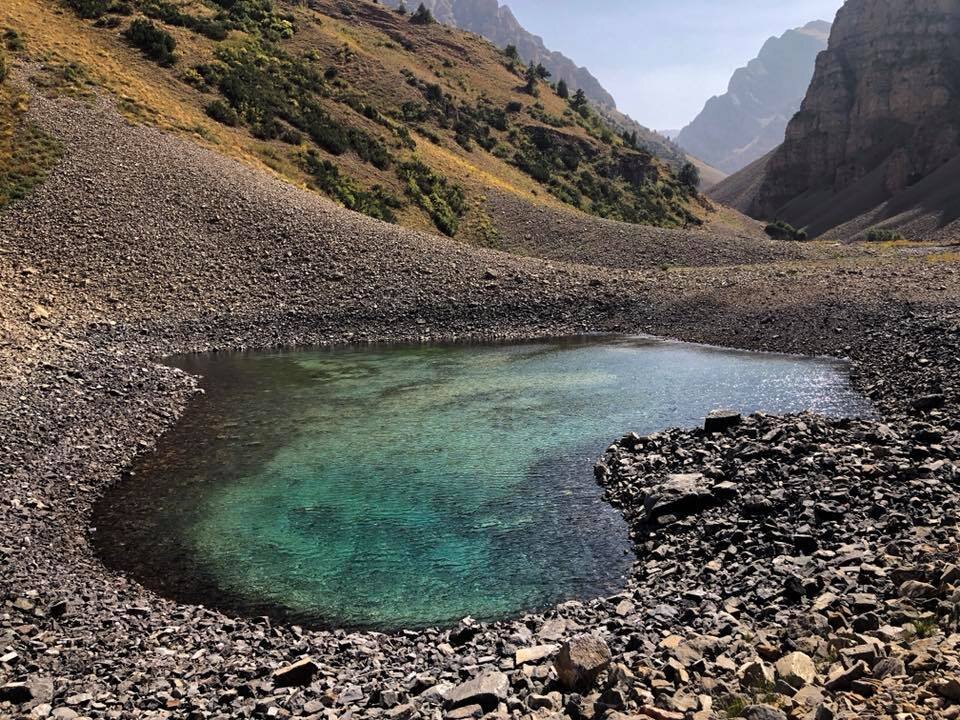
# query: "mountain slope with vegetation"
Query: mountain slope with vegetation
390,114
498,24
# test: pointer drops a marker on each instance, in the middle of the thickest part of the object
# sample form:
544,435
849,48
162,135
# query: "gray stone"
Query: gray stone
679,495
762,712
487,690
721,420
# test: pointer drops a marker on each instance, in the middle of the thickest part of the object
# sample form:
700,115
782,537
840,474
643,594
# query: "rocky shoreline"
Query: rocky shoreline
796,567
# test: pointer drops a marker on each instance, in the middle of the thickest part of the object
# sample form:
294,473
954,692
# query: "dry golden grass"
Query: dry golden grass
948,257
26,152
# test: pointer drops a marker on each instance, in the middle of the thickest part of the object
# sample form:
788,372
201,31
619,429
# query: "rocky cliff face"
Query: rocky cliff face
749,120
498,24
882,113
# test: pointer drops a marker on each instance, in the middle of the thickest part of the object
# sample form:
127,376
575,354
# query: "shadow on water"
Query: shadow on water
391,487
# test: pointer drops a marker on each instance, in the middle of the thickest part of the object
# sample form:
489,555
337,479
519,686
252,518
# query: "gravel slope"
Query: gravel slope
142,244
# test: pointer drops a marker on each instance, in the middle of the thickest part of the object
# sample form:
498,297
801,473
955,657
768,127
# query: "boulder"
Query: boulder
581,660
721,420
796,669
756,674
296,674
679,494
487,690
925,403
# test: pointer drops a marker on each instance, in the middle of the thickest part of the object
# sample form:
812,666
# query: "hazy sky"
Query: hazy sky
662,59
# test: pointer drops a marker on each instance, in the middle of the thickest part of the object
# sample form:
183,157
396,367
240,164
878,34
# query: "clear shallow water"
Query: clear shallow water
404,487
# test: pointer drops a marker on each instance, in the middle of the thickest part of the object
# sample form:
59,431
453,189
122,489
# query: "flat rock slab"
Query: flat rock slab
534,654
721,420
486,690
679,495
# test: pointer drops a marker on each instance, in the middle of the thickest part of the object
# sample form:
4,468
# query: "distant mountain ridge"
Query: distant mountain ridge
749,120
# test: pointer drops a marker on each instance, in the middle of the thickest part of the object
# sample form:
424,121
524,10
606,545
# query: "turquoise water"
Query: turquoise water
404,487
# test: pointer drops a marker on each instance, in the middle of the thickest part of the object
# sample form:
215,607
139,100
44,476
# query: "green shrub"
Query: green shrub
13,40
3,65
376,202
222,112
883,235
89,9
171,15
689,175
422,16
444,202
781,230
263,84
156,43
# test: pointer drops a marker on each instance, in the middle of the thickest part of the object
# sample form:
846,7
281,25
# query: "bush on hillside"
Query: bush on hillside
89,9
222,112
171,15
883,235
422,16
376,202
781,230
444,202
689,175
156,43
13,40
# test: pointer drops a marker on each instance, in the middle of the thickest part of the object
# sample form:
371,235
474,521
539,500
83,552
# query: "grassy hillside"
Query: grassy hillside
411,123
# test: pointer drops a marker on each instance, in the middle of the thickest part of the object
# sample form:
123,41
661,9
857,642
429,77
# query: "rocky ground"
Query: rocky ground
786,566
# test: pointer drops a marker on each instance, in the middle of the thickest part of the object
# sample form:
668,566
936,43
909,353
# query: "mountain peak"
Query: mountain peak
749,120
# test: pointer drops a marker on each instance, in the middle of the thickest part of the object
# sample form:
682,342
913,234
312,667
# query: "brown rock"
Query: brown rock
581,660
296,674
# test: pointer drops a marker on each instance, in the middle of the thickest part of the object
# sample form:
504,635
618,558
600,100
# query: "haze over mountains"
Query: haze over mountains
877,139
749,120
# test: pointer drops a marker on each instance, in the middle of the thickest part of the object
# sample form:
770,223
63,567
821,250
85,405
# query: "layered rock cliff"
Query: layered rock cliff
749,120
881,118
